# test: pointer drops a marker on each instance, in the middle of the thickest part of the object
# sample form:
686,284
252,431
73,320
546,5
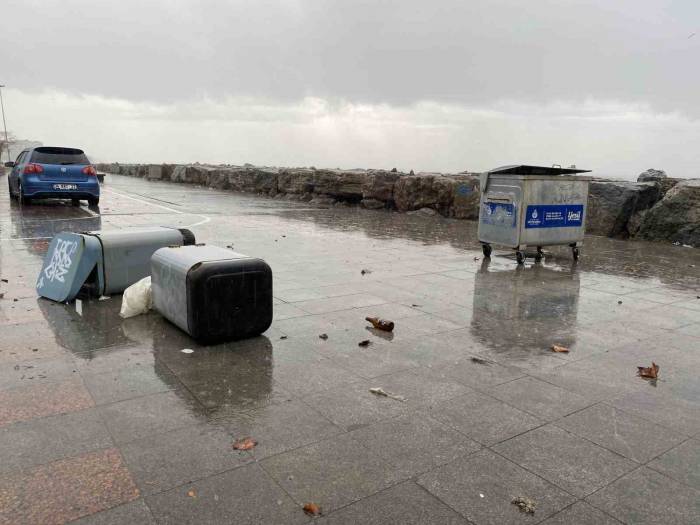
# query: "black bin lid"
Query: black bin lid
524,169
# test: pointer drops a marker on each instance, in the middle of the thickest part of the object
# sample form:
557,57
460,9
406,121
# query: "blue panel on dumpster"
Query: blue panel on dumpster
554,216
498,214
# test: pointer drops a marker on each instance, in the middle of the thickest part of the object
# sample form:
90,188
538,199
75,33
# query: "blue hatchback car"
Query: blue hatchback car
53,173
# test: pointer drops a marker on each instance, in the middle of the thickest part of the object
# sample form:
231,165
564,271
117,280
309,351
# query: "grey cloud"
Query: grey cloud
395,52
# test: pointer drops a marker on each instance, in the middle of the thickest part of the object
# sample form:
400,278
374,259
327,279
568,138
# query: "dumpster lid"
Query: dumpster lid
524,169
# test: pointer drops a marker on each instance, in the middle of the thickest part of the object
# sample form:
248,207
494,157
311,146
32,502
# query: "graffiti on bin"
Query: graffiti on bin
498,214
61,260
554,216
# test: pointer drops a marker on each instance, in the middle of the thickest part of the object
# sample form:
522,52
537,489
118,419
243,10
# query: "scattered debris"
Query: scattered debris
137,299
229,246
244,444
479,361
283,337
416,305
2,294
481,495
364,343
191,493
525,504
104,298
381,324
378,391
560,349
312,509
651,372
187,351
476,258
323,336
363,272
35,349
4,280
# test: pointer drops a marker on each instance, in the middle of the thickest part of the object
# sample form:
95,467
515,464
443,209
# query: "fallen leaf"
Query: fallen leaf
366,342
560,349
323,336
651,372
378,391
244,444
525,504
191,493
312,509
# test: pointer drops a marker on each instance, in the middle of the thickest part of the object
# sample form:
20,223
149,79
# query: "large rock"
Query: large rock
676,218
341,184
250,179
155,172
651,175
379,185
413,192
611,205
465,197
295,180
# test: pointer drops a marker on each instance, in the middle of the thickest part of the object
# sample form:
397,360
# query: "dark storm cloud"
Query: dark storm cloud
397,52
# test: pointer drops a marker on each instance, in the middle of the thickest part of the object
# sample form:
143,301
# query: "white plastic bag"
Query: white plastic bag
137,299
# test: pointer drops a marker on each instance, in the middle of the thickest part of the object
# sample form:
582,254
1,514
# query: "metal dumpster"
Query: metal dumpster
103,262
523,206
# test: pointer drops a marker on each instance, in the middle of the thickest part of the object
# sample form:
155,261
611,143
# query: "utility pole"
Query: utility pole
7,142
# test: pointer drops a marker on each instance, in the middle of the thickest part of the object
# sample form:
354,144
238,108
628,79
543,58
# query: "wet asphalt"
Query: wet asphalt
104,420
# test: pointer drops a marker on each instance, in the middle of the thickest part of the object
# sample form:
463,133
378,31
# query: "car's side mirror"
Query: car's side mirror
10,164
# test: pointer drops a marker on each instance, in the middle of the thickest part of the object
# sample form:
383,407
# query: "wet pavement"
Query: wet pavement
104,420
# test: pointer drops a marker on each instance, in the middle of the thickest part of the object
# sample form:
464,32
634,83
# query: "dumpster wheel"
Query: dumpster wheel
520,257
486,248
574,252
539,254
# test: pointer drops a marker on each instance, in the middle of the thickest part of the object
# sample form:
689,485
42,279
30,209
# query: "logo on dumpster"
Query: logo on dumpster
554,216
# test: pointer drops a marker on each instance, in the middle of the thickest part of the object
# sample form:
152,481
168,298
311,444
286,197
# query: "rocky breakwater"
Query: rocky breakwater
655,207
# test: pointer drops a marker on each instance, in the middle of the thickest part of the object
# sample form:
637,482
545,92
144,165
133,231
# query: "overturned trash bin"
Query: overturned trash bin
102,262
523,206
213,294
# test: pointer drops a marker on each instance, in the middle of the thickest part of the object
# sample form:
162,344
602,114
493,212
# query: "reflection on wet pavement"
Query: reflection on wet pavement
82,390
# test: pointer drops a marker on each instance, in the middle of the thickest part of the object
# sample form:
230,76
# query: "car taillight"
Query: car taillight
33,168
90,170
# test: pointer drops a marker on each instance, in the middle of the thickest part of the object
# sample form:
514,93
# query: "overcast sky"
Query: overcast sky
426,85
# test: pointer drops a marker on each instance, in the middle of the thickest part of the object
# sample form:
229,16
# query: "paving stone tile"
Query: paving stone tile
307,474
405,504
483,418
66,489
302,378
29,402
26,444
162,461
34,372
421,387
321,306
482,486
143,416
245,495
281,427
647,497
479,373
681,463
628,435
544,400
133,513
677,414
414,443
128,382
572,463
580,513
353,405
29,341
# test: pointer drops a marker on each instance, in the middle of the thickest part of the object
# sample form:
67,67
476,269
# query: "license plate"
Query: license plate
65,186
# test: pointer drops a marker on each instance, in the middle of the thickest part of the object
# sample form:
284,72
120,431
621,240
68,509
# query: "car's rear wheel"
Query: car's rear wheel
22,198
93,201
9,188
